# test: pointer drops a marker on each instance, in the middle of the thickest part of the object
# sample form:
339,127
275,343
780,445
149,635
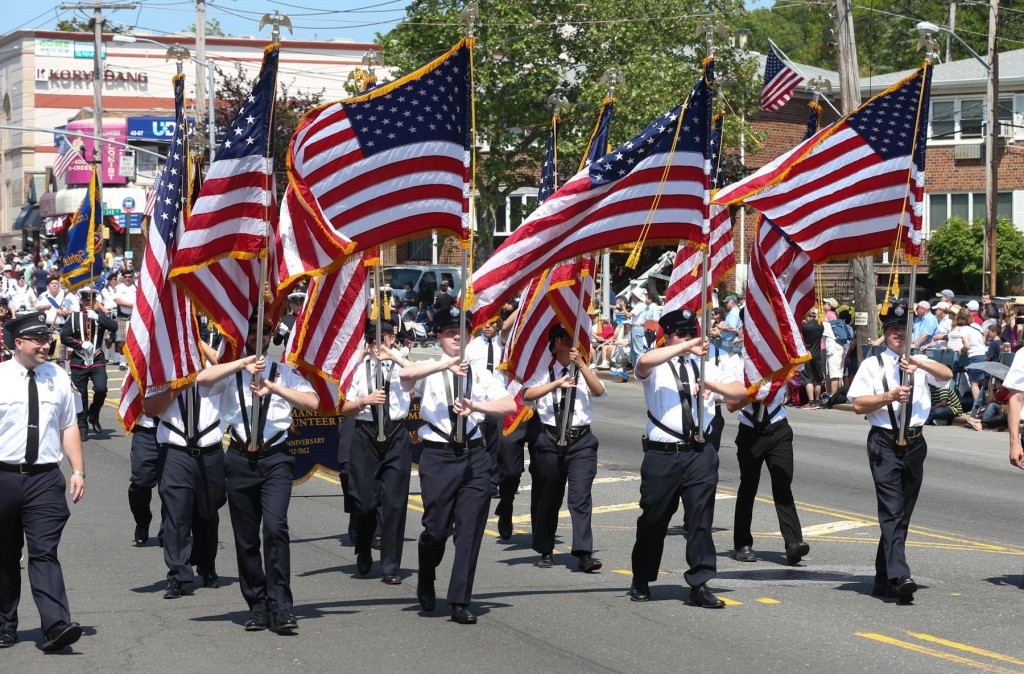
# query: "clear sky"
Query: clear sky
311,19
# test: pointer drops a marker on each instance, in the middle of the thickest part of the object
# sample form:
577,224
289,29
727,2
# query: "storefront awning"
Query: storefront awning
30,218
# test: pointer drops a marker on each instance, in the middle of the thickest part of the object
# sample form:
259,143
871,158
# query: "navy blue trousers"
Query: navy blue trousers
378,486
897,486
550,473
192,490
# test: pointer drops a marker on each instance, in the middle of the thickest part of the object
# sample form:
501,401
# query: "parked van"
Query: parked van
425,280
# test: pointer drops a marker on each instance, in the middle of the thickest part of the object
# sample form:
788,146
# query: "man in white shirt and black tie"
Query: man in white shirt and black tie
38,427
455,468
881,389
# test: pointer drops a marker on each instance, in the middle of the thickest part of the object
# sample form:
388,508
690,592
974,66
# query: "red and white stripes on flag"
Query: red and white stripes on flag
392,163
652,188
780,290
66,155
327,341
147,210
684,285
855,187
779,82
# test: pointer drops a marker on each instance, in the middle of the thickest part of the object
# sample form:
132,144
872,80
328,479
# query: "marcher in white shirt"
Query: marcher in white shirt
124,297
563,453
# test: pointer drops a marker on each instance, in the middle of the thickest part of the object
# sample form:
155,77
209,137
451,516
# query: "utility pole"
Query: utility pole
861,268
952,29
991,163
200,58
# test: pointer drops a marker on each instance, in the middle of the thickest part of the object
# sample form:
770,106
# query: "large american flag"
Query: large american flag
779,82
66,155
163,336
855,187
684,285
218,257
652,188
327,342
392,163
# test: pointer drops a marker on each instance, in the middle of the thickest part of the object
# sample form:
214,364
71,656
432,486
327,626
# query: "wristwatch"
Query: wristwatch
79,473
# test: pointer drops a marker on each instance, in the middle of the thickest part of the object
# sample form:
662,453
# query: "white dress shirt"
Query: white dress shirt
775,409
127,293
398,392
207,414
1015,377
434,401
581,411
279,410
868,381
662,396
477,351
56,411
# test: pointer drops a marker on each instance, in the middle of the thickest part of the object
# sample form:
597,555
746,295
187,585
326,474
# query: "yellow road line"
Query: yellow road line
832,527
948,657
768,600
966,647
731,602
599,480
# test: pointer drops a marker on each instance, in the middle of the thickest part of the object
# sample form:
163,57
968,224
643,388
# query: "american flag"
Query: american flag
780,290
652,188
685,284
218,257
598,145
392,163
66,155
163,336
84,239
779,82
327,342
549,170
151,198
855,187
549,299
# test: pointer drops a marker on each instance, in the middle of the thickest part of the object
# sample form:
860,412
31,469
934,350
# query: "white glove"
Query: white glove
88,348
282,329
92,315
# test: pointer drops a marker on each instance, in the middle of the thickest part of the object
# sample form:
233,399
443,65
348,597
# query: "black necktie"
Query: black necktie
490,355
32,440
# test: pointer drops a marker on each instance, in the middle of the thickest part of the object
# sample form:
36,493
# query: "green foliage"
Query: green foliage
527,51
955,252
213,29
74,25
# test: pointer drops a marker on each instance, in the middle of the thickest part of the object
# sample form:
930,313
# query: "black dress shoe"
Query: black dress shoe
504,527
8,638
211,580
462,615
903,588
880,588
284,621
257,622
745,553
83,431
796,552
494,492
425,594
141,536
639,591
590,564
701,596
544,562
375,543
95,423
174,589
364,562
61,635
391,579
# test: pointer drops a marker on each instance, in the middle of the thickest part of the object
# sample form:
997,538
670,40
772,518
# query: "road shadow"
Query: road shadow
1009,579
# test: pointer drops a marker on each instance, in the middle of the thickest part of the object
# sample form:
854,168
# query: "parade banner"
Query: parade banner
321,442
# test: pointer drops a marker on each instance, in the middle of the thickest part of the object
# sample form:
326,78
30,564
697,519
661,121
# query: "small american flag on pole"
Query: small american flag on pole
154,191
392,164
779,82
66,155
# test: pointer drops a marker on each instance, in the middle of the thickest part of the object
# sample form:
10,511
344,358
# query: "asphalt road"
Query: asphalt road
966,550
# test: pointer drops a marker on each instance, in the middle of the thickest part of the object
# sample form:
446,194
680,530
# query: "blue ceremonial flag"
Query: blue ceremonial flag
813,119
549,171
598,146
82,262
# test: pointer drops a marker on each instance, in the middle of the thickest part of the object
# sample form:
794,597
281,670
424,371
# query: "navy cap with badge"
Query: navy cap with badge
386,328
896,316
449,318
680,321
31,323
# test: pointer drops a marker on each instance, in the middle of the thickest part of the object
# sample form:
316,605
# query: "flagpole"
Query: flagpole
908,345
275,37
584,273
379,383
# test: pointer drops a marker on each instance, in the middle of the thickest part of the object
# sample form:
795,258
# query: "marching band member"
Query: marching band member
455,474
259,474
287,323
675,463
83,334
880,390
553,462
55,302
379,469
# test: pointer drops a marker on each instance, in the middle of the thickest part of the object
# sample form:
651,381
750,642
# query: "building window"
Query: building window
421,250
518,205
963,119
967,206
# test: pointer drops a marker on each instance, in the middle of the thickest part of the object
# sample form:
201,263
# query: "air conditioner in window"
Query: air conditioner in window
1006,130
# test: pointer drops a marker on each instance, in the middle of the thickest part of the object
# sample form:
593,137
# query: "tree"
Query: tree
955,252
213,29
289,107
521,59
74,25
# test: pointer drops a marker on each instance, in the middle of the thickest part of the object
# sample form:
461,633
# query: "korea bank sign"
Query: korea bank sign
67,48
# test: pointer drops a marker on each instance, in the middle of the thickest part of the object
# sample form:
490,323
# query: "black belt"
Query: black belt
475,443
145,430
912,433
571,434
371,428
672,447
240,448
193,451
28,468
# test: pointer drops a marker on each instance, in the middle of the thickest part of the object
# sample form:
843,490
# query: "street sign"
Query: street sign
111,211
130,221
128,205
126,167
